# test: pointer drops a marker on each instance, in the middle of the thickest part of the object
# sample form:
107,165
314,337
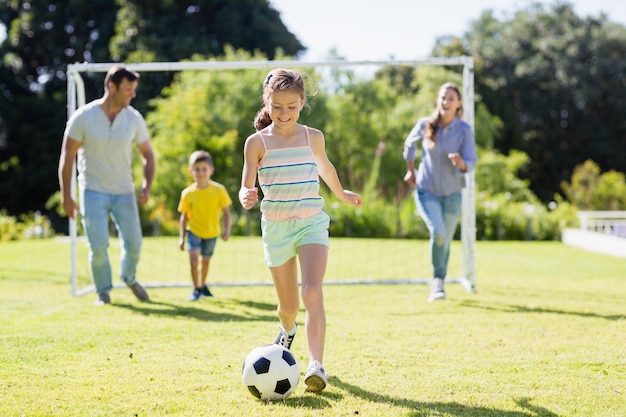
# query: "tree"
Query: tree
43,36
590,189
173,31
550,76
208,110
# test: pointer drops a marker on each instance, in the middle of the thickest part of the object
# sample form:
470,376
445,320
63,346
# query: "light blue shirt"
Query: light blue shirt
435,172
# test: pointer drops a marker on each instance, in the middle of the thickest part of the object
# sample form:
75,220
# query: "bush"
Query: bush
592,190
28,226
498,218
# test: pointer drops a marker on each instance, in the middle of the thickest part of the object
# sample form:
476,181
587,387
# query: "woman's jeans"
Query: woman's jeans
441,215
96,208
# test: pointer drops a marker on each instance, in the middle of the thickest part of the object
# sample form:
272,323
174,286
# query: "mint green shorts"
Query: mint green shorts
281,239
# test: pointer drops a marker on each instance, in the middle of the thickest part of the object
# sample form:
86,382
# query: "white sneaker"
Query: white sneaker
316,377
436,290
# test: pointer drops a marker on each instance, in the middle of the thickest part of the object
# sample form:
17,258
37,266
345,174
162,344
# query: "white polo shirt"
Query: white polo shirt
105,157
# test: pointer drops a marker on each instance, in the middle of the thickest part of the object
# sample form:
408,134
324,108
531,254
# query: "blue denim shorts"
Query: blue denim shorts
281,239
205,246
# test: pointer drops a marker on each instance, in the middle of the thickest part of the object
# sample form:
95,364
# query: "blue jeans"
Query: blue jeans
441,215
122,208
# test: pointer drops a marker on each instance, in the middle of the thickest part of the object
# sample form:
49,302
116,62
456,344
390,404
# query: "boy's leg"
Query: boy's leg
208,246
194,257
203,277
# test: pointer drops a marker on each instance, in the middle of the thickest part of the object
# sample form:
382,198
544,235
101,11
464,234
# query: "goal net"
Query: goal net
239,261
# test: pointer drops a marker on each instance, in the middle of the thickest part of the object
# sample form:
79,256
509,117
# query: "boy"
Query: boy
200,206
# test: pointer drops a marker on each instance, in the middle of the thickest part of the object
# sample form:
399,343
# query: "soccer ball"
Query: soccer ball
271,372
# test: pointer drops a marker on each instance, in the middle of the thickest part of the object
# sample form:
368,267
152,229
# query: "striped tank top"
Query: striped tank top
290,183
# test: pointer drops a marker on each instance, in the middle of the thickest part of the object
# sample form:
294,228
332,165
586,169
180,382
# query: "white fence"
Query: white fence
600,231
608,222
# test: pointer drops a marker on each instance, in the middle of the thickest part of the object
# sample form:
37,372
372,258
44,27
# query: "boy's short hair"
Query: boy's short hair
200,156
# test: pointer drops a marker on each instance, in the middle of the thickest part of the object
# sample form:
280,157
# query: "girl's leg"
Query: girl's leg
285,279
313,259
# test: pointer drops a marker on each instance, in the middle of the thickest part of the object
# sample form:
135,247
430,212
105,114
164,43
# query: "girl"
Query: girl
289,159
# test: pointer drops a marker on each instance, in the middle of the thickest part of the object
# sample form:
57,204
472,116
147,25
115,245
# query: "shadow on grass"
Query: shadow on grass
209,310
509,308
423,409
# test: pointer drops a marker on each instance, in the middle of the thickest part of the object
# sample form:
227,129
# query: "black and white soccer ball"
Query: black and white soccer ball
271,372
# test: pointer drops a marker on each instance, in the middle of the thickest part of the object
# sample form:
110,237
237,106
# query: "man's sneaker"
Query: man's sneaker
196,294
436,290
316,377
103,299
139,291
283,338
205,291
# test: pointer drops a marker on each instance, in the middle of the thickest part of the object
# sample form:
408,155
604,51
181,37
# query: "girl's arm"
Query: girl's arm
327,171
253,152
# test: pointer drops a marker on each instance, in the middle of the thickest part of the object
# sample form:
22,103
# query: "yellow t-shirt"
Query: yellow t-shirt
203,208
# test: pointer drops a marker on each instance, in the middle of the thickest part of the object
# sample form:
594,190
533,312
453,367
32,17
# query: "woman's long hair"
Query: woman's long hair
432,125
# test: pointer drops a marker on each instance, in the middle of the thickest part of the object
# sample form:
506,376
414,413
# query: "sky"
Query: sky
364,30
370,30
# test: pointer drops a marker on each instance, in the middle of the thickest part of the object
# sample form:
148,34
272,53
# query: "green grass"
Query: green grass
544,335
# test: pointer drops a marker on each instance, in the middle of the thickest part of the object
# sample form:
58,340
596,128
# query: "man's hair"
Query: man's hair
200,156
118,73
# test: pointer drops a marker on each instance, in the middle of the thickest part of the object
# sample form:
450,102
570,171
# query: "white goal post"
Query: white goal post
76,98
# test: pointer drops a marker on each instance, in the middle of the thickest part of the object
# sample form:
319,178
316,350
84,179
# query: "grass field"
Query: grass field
544,335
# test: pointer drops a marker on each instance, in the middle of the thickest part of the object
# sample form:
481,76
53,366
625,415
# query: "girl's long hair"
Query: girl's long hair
279,79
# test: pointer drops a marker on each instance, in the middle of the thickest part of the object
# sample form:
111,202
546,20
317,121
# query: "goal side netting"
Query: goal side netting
239,261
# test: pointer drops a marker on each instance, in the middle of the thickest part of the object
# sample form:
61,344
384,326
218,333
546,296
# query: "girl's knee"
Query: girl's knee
312,296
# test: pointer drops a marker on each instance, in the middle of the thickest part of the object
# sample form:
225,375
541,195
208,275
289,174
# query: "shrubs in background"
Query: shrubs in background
26,226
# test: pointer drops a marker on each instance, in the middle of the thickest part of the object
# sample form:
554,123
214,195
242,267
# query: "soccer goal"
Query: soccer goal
157,255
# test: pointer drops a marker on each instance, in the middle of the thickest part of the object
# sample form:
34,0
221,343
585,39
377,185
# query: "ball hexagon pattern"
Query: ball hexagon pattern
271,372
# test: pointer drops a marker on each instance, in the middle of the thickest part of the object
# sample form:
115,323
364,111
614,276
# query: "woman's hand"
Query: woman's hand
457,161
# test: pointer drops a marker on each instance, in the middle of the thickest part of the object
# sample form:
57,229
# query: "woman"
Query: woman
448,152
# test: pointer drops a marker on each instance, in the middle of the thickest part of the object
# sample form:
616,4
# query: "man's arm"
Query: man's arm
149,166
69,149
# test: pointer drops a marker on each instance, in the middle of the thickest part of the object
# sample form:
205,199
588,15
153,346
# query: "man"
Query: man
102,133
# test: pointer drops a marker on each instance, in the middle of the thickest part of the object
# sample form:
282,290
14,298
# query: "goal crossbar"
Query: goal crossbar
76,98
